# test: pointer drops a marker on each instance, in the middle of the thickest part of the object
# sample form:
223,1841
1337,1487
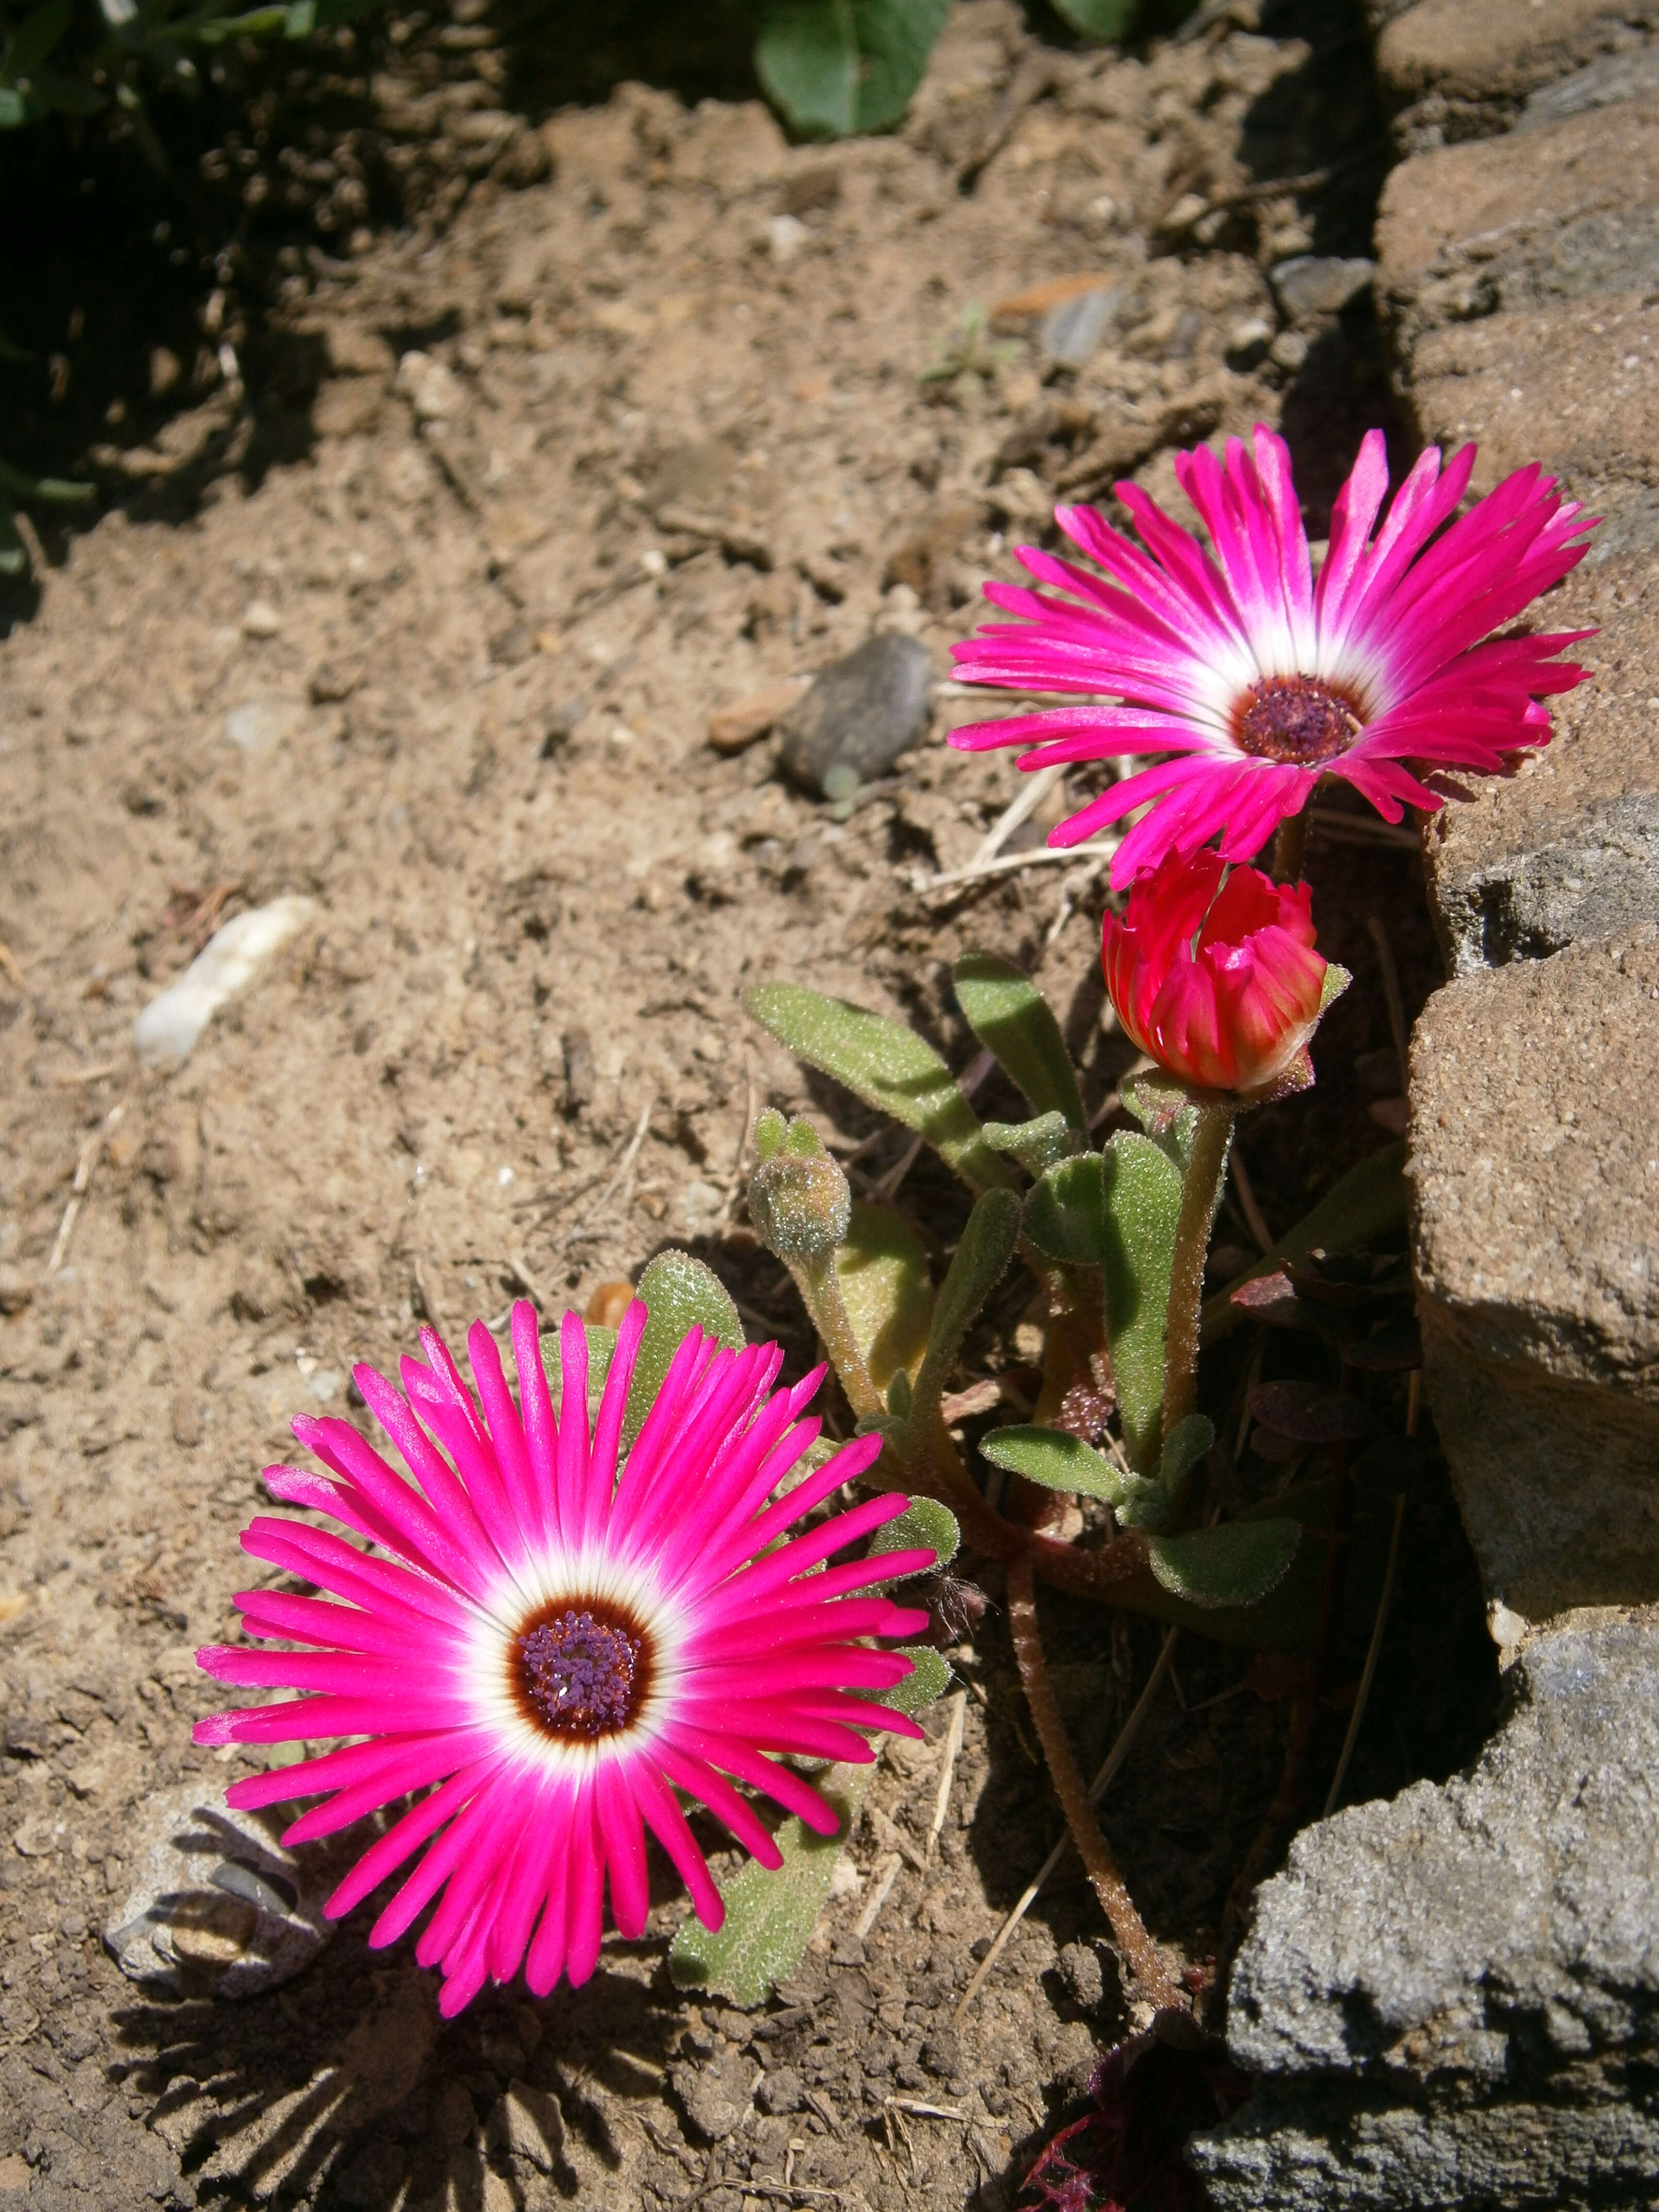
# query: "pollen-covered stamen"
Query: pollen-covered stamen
583,1669
1294,719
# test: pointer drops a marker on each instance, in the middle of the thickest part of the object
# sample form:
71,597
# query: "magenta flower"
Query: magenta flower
1257,680
1214,976
547,1650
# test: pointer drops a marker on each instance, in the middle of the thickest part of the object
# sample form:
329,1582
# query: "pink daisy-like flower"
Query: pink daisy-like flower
548,1649
1257,679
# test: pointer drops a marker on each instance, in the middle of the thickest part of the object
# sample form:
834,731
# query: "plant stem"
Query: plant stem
820,1291
1199,1197
1290,844
1145,1961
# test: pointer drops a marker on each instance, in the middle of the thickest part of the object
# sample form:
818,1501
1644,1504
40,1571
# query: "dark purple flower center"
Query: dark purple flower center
583,1669
1294,719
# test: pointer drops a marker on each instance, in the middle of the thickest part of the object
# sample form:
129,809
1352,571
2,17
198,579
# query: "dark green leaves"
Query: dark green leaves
888,1065
976,1267
1012,1018
680,1294
1057,1459
1038,1145
1237,1564
924,1523
1066,1213
834,67
1099,19
1142,1187
887,1291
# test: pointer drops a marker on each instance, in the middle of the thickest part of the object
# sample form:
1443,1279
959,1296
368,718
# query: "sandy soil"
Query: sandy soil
409,620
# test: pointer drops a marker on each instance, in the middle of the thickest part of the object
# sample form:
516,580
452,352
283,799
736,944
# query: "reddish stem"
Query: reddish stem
1145,1960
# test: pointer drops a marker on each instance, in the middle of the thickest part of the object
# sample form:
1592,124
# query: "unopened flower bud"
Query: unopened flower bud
799,1198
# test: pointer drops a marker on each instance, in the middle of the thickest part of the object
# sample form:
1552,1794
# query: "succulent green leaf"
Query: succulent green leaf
1143,1504
924,1521
680,1294
834,67
1368,1201
1183,1447
1038,1144
1099,19
889,1067
770,1913
59,491
976,1267
1165,1109
1235,1564
1012,1019
888,1292
1057,1459
34,39
1065,1211
1142,1187
927,1680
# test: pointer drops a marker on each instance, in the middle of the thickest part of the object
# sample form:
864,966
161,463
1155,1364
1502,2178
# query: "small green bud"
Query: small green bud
799,1198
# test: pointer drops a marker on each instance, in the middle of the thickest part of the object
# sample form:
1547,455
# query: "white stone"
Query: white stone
259,724
167,1030
431,389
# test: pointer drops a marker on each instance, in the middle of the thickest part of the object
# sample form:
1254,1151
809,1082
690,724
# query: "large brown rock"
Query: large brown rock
1458,69
1562,212
1535,1162
1519,275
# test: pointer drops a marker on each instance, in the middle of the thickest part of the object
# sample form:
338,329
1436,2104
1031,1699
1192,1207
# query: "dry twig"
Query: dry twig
89,1155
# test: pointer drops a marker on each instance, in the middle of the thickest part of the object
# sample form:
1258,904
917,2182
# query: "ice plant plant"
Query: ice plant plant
547,1641
1254,679
1213,972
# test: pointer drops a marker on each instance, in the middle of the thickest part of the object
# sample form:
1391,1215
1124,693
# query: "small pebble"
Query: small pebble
431,387
167,1030
15,1291
1074,332
1310,288
261,620
259,724
861,713
733,727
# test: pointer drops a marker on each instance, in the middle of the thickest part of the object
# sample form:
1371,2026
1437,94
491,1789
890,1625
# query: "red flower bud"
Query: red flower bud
1214,974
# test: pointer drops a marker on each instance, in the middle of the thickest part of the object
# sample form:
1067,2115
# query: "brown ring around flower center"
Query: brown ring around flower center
1294,720
581,1668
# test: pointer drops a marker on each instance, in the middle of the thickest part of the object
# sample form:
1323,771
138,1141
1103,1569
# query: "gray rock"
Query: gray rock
218,1902
1536,1229
861,713
782,2091
1452,1998
259,724
1083,1975
713,2095
1606,83
1312,287
1074,332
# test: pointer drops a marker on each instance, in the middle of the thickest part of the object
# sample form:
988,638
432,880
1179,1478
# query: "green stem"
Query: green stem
1290,844
1200,1196
820,1290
